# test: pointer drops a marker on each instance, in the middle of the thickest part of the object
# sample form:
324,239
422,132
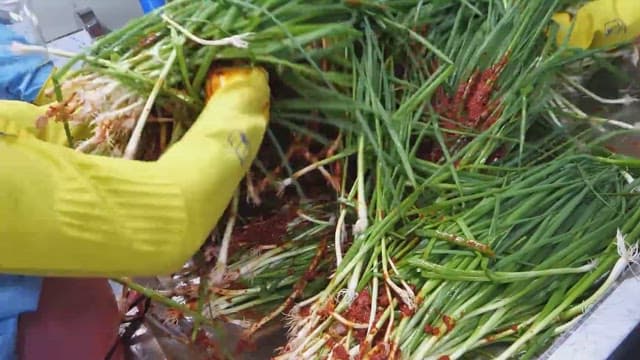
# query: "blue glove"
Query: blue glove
21,76
18,294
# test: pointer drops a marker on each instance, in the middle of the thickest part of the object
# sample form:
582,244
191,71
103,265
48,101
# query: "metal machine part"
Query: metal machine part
89,21
59,18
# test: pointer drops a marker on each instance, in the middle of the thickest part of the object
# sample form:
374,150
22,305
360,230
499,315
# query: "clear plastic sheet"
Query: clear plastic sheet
18,16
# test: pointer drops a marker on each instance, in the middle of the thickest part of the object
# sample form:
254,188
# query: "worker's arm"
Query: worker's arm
67,213
21,79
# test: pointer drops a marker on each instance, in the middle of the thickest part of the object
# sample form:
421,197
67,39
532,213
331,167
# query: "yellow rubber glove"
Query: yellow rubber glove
21,117
600,23
63,213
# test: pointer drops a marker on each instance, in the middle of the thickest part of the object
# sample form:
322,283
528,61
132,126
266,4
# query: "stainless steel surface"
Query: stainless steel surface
604,327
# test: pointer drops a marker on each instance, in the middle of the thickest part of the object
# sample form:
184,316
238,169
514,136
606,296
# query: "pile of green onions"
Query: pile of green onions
516,264
505,237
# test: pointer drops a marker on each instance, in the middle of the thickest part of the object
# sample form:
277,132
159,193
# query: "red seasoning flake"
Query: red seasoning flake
444,357
490,338
340,353
442,103
360,335
383,300
327,309
245,346
364,346
310,275
380,352
431,330
406,310
360,309
436,331
514,327
305,311
359,312
428,329
478,105
270,231
470,107
149,40
397,354
492,114
449,322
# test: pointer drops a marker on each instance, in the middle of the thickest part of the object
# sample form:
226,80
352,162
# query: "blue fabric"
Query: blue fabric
18,294
21,77
150,5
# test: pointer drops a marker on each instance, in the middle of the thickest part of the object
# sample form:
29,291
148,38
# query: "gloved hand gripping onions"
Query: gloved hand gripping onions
154,70
147,82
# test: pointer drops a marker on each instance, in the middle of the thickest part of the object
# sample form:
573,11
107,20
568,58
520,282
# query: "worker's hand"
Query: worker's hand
600,23
22,76
64,213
